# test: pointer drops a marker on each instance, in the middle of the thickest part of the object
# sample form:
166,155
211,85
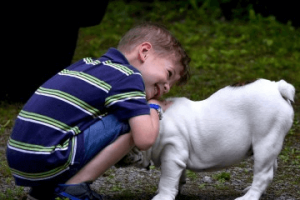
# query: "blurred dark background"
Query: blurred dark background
44,35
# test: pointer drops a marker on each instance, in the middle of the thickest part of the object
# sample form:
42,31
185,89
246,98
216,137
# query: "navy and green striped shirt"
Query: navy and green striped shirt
46,139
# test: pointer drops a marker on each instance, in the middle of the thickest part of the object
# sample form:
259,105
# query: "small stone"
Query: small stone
207,179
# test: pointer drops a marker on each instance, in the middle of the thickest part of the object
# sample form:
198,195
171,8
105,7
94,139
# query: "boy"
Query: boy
73,128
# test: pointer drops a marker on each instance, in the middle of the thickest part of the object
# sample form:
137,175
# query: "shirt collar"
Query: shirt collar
115,55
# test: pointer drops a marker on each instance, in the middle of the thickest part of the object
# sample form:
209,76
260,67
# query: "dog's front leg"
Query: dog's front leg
172,168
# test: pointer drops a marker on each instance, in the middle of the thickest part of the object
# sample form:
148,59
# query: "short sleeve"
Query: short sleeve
127,98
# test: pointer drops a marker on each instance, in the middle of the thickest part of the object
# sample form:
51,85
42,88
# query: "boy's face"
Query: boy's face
159,74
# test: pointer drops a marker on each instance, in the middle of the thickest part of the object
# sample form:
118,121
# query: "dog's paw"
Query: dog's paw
250,195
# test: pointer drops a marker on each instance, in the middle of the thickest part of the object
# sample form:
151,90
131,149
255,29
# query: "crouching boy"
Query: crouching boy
87,117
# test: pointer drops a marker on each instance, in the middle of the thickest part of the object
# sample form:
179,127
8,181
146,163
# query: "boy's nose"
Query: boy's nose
166,87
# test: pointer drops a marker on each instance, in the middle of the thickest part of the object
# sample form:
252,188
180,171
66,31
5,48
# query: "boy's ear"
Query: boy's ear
144,50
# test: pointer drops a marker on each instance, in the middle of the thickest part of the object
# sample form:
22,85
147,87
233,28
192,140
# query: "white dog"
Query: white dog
233,123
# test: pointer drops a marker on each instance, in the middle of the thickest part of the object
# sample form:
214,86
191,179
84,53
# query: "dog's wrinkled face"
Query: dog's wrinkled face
145,161
135,158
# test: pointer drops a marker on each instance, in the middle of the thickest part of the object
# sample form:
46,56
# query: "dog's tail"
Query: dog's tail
286,90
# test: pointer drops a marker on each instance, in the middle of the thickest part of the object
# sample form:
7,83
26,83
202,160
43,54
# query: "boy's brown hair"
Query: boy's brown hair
163,43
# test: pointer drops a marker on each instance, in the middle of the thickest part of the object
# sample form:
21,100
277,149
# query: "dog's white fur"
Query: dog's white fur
220,131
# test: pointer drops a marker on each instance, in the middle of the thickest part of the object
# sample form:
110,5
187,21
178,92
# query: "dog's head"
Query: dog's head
145,161
137,158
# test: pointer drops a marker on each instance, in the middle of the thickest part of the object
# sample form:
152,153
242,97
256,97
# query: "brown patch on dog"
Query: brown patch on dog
239,84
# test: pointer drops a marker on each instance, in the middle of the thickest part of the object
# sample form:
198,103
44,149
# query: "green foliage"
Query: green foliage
296,126
64,198
152,167
4,169
222,177
192,175
290,155
202,186
117,187
13,194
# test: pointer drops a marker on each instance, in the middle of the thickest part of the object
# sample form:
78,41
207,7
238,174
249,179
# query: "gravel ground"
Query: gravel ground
139,184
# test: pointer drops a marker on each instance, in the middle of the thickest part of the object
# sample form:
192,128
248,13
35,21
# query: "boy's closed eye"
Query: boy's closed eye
170,74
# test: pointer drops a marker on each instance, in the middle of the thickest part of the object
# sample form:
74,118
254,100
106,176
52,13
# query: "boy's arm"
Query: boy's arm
145,128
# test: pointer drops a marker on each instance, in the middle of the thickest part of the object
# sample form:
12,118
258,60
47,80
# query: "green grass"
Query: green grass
222,177
222,53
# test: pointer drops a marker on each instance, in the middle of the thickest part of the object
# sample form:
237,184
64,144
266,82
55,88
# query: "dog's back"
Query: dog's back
232,117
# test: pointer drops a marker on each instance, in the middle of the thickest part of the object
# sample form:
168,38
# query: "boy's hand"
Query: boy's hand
163,104
145,128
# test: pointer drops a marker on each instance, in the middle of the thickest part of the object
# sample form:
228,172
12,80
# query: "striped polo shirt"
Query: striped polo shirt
46,139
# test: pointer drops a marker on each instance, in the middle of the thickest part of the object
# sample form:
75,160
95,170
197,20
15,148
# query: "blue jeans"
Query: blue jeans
101,134
96,138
